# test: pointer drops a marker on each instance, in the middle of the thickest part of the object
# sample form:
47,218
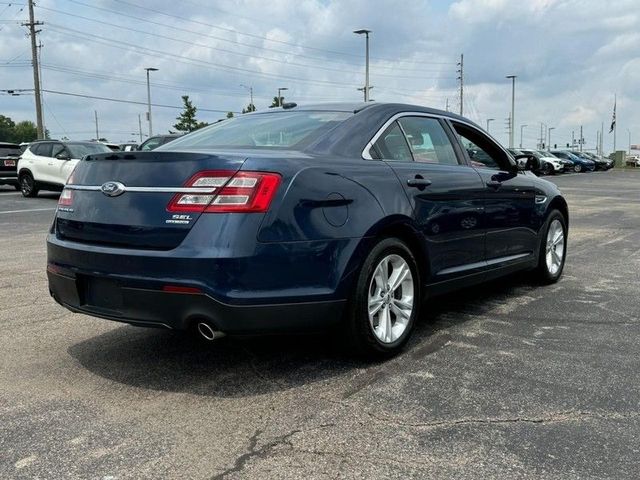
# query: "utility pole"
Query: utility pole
602,139
32,24
513,107
446,105
549,136
461,78
615,122
95,113
541,137
581,138
140,127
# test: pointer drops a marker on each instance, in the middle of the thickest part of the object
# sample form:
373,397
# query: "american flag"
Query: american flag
613,120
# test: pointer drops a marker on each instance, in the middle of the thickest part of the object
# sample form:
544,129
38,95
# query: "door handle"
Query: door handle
495,184
419,182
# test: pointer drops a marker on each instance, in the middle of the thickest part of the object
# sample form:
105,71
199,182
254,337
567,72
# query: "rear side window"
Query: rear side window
42,149
392,145
288,129
57,149
428,141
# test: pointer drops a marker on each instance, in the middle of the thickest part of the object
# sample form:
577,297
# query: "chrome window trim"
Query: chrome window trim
98,188
367,156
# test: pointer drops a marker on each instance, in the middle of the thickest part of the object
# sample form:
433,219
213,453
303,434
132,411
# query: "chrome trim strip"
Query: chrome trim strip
486,263
98,188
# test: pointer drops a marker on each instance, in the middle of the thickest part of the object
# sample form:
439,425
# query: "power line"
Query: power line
232,52
236,42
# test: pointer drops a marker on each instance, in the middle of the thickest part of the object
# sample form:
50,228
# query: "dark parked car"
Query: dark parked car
154,142
9,155
601,163
299,218
579,164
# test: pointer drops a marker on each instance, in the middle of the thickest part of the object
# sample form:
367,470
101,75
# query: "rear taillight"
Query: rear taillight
239,192
66,198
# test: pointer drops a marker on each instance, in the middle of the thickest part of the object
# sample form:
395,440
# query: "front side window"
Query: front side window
428,141
57,149
482,152
289,129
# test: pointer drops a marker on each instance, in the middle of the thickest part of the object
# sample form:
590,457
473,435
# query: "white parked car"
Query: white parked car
549,163
46,165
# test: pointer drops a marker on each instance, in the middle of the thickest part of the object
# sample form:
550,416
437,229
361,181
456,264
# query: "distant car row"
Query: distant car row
47,164
560,161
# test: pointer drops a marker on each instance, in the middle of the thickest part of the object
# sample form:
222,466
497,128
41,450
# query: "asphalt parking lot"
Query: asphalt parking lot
507,380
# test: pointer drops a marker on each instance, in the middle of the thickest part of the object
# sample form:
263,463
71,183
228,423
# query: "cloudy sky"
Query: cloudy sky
571,57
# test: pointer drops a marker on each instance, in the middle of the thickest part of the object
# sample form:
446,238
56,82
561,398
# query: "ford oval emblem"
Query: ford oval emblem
113,189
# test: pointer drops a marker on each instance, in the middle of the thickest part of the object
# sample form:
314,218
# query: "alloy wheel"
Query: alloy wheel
555,247
391,298
26,185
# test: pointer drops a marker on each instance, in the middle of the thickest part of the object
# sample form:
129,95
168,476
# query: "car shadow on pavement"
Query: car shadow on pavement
238,367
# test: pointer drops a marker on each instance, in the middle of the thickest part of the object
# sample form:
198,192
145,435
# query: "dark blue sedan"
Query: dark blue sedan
580,164
302,218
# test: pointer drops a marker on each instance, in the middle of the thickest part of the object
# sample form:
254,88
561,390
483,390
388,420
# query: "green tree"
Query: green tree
26,131
276,102
187,119
250,108
229,114
7,129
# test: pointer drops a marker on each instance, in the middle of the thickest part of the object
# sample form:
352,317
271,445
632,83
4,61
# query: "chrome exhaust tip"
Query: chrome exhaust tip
207,332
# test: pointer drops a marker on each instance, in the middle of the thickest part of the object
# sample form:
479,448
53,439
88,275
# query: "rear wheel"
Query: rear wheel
386,299
553,248
547,169
28,185
577,168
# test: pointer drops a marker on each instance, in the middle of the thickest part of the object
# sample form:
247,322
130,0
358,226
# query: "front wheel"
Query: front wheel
28,185
385,303
553,248
577,168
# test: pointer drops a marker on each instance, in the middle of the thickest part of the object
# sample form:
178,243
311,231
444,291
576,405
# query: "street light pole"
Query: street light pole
366,74
489,120
149,69
629,152
280,95
521,129
549,136
513,107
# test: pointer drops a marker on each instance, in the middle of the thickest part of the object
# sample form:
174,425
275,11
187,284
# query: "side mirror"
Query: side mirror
63,156
528,163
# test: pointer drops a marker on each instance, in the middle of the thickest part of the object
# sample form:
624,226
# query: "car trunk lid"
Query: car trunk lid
123,199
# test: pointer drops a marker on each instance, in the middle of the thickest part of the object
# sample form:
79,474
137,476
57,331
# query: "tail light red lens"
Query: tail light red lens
66,198
239,192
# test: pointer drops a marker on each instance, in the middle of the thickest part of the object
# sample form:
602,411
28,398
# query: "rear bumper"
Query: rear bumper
156,308
8,178
281,287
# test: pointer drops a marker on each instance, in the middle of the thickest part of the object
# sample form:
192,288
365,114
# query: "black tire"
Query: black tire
577,168
28,185
542,271
547,169
360,332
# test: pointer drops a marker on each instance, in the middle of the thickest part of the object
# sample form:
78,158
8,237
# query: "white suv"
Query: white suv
46,165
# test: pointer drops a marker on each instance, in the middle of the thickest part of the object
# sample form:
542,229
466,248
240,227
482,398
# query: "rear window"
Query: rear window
9,151
79,150
264,130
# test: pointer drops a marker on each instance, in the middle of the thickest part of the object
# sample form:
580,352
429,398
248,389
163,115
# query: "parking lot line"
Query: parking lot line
29,210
